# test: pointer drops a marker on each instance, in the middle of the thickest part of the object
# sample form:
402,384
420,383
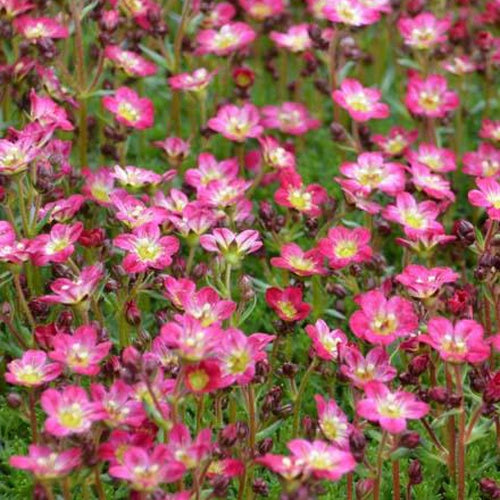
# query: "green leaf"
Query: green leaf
269,430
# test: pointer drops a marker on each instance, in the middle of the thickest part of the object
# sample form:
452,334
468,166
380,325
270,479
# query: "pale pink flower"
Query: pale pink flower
350,12
229,38
35,29
147,248
296,39
370,173
396,142
130,109
422,282
487,196
47,113
17,154
233,247
176,150
297,261
459,343
209,169
333,422
196,81
490,129
431,184
47,464
290,118
262,9
437,159
13,8
130,62
381,320
134,213
136,178
326,342
430,96
223,193
32,369
361,369
12,250
416,218
275,155
424,31
221,13
62,210
485,162
362,103
190,452
237,124
80,352
459,65
99,185
206,306
343,247
390,409
69,411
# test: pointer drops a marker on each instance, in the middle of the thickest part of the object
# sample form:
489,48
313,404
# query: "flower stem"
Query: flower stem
461,434
300,394
378,477
396,486
22,301
32,410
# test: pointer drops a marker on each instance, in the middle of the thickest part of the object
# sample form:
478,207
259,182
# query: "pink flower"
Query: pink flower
237,124
62,210
431,184
16,155
118,405
459,343
396,142
176,150
299,262
287,303
209,169
490,129
146,248
47,464
130,109
459,65
196,81
203,377
47,113
274,155
13,8
32,370
294,194
146,470
437,159
206,306
370,173
128,61
230,245
238,353
487,196
350,12
333,422
296,39
134,213
390,409
80,352
290,118
262,9
99,185
35,29
430,97
422,282
326,342
485,162
231,37
71,292
69,411
362,103
12,250
424,31
344,246
120,441
136,178
57,246
360,370
186,450
416,218
380,320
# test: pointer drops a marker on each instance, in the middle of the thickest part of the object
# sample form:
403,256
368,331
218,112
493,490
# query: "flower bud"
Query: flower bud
357,444
438,394
415,472
132,313
409,439
464,231
92,238
260,487
489,487
14,400
265,446
419,364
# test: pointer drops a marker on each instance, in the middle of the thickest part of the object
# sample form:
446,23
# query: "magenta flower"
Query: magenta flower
459,343
287,303
396,142
431,184
231,37
146,248
262,9
12,250
422,282
292,193
390,409
47,464
297,261
361,103
430,97
361,369
196,81
437,159
128,61
203,377
274,155
176,149
69,411
16,155
487,196
99,185
237,124
146,470
190,452
290,118
62,210
206,306
326,343
80,352
296,39
35,29
490,129
47,113
130,109
350,12
485,162
32,370
133,212
233,247
381,320
459,65
371,173
209,169
343,247
57,246
136,178
120,441
416,218
424,31
333,422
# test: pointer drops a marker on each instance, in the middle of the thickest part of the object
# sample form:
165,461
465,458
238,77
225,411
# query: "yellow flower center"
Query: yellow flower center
384,324
287,309
128,112
346,249
300,200
198,379
147,250
72,416
238,362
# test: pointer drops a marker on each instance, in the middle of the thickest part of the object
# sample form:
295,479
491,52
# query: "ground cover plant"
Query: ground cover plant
249,249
